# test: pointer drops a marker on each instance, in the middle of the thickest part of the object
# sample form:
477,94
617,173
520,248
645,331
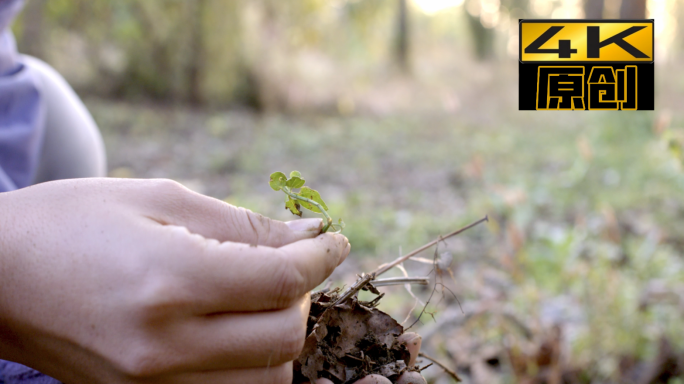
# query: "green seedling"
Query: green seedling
306,198
317,359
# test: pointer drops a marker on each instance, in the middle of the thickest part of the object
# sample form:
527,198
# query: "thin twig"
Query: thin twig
354,288
434,269
354,357
400,280
366,278
408,289
421,260
385,267
444,367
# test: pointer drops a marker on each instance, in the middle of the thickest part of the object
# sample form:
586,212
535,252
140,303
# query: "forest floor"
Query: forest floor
578,274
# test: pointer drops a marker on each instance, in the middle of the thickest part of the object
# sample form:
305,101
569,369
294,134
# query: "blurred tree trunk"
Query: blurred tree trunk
593,9
153,70
402,47
483,38
32,34
633,9
516,8
193,71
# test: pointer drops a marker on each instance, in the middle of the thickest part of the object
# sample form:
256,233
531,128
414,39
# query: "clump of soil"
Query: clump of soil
349,341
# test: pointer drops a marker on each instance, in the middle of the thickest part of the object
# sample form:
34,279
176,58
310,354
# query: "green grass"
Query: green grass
400,181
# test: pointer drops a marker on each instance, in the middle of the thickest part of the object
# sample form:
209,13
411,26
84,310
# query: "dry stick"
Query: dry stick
366,278
386,267
434,269
444,367
400,281
352,290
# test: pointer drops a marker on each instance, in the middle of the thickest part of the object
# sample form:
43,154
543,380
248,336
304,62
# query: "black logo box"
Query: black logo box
527,82
527,72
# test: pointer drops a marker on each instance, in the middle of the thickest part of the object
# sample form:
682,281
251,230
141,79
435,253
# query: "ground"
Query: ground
586,208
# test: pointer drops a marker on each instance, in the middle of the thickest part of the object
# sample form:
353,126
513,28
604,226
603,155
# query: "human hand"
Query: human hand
144,281
413,342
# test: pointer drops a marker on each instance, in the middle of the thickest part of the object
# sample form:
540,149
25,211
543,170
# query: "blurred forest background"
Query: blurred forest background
403,114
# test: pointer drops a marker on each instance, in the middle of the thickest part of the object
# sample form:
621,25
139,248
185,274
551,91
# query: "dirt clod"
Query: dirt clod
349,341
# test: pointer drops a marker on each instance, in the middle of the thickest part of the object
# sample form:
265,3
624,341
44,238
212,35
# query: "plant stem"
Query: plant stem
444,367
386,267
320,208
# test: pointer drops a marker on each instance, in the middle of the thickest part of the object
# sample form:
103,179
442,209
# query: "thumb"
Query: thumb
174,204
413,342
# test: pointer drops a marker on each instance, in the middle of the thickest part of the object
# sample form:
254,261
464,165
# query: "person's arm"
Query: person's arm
72,144
132,281
113,281
6,272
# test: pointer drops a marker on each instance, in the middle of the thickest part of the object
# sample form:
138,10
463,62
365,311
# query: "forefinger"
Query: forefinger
230,277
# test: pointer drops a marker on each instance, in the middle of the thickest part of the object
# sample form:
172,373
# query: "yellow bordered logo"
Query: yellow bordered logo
586,64
577,41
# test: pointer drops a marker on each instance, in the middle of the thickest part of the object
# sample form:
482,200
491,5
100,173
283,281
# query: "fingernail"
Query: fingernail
410,337
345,253
305,225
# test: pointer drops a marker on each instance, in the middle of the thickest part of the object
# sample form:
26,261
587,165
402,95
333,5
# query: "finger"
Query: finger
281,374
411,378
370,379
374,379
170,203
413,342
227,341
229,277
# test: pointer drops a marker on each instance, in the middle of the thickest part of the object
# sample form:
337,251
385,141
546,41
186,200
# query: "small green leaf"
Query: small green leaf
313,195
295,182
295,201
293,207
277,181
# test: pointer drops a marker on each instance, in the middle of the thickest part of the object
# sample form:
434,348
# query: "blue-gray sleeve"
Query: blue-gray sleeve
21,131
22,110
13,373
22,114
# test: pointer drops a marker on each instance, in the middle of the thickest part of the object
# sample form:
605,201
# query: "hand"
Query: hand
413,342
144,281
